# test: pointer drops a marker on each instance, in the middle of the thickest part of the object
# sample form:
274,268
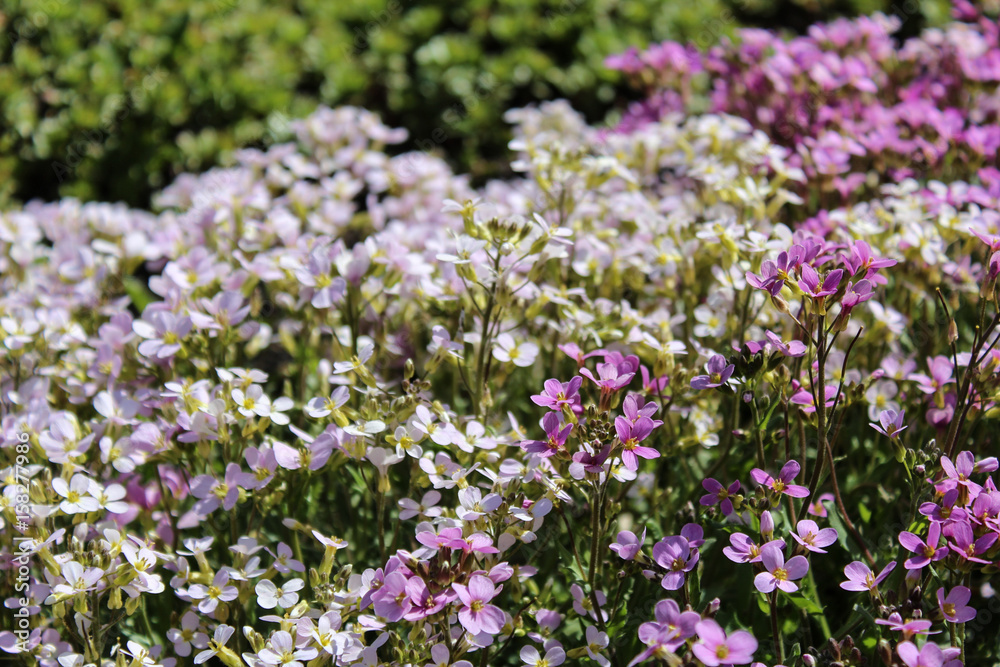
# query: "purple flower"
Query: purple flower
809,283
931,655
861,578
554,655
630,436
715,648
946,511
925,551
628,545
919,626
793,348
163,333
964,543
558,394
671,628
635,409
783,483
773,274
745,550
817,507
718,374
694,534
856,294
555,437
812,538
957,474
862,259
941,374
719,494
779,574
675,555
477,615
955,606
392,600
211,596
424,603
890,423
610,378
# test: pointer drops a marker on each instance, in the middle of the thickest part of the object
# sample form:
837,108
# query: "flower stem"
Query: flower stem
779,647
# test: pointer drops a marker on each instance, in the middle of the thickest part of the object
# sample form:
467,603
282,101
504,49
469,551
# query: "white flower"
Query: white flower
282,651
254,402
110,498
506,349
318,408
269,595
596,642
222,635
356,362
77,493
362,429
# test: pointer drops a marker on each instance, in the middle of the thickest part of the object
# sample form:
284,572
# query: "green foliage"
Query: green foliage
110,99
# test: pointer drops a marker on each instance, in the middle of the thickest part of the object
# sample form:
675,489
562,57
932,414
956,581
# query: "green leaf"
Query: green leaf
138,292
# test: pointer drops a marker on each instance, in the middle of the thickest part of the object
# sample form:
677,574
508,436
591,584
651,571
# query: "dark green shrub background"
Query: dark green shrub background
109,99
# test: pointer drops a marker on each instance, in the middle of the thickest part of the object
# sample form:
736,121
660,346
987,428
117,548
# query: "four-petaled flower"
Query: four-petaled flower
861,578
476,613
779,573
783,483
719,373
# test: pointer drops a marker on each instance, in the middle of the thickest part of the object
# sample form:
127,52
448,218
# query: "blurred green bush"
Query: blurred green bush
108,99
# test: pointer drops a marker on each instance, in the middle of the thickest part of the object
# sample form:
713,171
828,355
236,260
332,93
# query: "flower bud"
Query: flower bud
884,651
766,525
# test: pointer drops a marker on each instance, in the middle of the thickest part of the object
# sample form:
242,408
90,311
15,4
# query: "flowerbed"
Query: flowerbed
642,403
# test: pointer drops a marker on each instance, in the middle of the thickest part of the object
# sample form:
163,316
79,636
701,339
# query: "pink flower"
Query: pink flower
477,615
861,578
610,378
719,494
812,538
817,508
890,423
811,286
773,274
392,601
920,626
715,648
628,545
630,436
779,574
559,394
964,543
957,474
931,655
862,259
675,555
555,437
955,606
925,551
718,374
941,372
783,483
671,628
745,550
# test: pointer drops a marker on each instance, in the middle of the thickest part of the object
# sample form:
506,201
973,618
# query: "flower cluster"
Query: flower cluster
335,405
